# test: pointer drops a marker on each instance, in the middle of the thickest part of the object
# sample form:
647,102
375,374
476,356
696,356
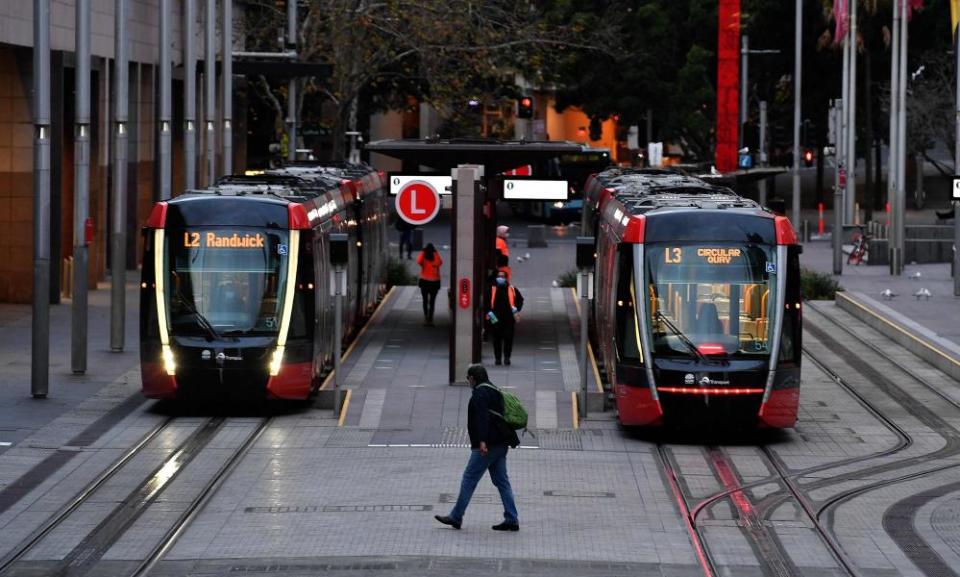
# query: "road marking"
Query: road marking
372,408
575,404
356,340
5,443
346,406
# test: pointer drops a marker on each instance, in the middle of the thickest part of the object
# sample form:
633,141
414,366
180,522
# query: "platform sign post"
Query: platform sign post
467,220
338,258
956,225
585,262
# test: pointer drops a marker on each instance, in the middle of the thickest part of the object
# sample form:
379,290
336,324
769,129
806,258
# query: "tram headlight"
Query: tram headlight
558,204
169,364
275,361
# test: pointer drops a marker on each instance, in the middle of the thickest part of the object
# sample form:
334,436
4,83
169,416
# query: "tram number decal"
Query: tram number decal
234,240
673,255
191,239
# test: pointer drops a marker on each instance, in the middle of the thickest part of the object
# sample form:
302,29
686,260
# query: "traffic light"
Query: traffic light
808,157
525,107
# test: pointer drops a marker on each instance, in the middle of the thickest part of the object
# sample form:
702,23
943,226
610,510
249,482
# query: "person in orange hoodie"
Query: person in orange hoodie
430,262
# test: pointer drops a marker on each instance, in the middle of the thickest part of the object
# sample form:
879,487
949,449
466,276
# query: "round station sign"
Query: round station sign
418,202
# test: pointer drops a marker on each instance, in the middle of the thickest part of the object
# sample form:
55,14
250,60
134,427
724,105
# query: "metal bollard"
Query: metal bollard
805,231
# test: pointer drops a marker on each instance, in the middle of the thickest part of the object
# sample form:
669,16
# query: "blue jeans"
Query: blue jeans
496,463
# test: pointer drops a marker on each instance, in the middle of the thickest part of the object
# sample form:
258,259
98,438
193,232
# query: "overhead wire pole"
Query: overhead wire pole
797,84
292,86
892,164
227,76
165,117
956,171
81,189
210,94
118,240
40,322
841,159
189,94
851,142
744,89
902,142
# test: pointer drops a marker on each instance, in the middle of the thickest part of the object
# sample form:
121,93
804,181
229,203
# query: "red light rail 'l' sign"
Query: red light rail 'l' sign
418,202
464,298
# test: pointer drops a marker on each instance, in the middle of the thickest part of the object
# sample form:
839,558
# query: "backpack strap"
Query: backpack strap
495,388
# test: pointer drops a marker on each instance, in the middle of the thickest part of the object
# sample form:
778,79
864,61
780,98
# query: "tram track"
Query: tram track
83,558
754,517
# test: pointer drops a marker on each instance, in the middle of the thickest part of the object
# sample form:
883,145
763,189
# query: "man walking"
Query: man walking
503,310
489,441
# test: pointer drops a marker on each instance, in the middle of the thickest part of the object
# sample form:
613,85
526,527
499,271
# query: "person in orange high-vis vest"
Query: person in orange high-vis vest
429,261
502,256
503,311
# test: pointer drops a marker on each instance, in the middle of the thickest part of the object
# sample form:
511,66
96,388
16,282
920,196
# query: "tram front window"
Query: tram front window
226,281
715,299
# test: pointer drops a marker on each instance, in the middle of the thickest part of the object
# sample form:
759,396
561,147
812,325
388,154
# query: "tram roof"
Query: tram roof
495,155
643,190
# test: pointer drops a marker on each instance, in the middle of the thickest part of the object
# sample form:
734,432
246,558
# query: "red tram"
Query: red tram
234,296
697,314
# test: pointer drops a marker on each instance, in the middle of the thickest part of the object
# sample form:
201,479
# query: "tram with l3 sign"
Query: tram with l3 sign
698,309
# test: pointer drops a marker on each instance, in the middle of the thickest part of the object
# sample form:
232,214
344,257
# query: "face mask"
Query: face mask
501,281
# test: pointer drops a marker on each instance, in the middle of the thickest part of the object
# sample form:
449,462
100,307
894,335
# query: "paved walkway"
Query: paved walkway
20,414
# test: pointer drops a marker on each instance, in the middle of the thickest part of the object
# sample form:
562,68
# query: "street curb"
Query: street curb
921,341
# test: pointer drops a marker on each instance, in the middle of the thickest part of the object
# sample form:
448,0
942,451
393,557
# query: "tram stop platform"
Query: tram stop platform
396,374
925,325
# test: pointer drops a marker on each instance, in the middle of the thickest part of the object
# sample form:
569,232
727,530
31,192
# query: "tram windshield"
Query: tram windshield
711,299
226,281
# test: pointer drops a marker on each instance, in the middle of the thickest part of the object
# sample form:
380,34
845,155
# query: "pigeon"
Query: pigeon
916,276
888,294
923,293
526,256
555,284
519,259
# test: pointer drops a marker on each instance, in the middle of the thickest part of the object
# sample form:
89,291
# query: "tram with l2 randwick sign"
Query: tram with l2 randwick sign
698,311
235,288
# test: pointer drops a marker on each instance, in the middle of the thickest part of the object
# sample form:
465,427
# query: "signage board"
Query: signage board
530,189
956,188
441,183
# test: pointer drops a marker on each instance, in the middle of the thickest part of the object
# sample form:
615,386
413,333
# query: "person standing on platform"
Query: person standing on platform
406,236
503,311
429,261
490,439
502,254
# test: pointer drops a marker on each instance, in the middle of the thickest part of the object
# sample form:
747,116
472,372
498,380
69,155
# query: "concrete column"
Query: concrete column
40,323
851,194
466,220
762,152
209,79
118,239
901,203
894,140
190,94
227,76
81,190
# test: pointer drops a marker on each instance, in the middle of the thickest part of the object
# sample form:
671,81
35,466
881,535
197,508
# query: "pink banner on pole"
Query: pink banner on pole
728,84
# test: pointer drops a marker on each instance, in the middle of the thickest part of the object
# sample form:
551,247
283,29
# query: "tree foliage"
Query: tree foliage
443,52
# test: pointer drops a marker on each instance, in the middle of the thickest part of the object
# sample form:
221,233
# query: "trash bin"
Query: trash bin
536,236
418,239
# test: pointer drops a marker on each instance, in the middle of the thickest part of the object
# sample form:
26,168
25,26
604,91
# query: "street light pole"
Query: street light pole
744,78
851,142
226,76
81,188
797,70
894,140
902,143
118,241
210,88
292,86
956,171
40,322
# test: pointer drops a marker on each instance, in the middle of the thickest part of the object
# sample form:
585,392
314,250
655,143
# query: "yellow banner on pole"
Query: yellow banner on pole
954,16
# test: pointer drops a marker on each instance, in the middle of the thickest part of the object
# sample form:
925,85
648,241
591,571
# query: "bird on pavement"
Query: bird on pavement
923,293
888,294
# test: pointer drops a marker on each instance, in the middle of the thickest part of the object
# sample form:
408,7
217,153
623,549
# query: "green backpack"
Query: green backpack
514,413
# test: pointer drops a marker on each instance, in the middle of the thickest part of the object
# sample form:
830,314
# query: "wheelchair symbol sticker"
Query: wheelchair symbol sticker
281,249
772,267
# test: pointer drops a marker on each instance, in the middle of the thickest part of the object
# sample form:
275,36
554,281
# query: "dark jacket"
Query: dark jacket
484,426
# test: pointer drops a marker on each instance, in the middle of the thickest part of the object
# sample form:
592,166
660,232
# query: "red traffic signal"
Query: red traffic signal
525,107
808,157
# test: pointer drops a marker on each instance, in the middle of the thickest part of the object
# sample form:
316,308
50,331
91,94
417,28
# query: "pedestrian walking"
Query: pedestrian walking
503,311
429,283
490,439
406,236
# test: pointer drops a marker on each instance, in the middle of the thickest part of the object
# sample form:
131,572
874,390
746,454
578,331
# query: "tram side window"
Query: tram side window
791,334
628,335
